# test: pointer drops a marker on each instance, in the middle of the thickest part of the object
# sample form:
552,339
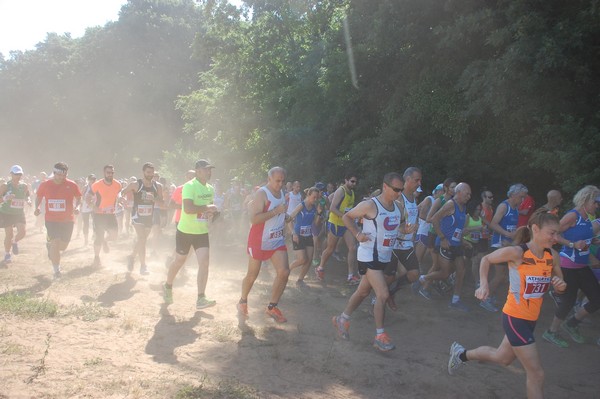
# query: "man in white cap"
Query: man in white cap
13,196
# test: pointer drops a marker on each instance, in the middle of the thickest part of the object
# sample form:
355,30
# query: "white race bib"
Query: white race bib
536,286
57,205
144,210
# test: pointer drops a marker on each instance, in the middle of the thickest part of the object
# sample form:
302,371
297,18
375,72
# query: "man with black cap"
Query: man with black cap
192,231
13,196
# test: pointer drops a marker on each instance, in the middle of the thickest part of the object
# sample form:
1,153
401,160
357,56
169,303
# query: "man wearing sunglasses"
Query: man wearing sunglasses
381,218
342,202
63,199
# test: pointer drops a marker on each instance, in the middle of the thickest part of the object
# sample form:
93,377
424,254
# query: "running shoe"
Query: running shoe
301,285
555,338
276,314
460,306
203,303
341,327
383,343
488,305
316,262
130,260
320,273
425,293
167,294
454,362
242,309
96,262
354,280
338,257
7,259
144,270
57,273
451,278
573,332
15,248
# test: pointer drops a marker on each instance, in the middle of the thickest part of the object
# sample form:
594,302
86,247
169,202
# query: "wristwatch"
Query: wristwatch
571,245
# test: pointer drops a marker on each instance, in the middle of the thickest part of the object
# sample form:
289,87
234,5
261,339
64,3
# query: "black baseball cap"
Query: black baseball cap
203,163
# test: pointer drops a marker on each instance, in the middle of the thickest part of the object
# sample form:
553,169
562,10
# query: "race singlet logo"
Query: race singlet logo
57,205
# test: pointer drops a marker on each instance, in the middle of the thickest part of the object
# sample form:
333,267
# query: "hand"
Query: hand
482,292
280,209
559,284
445,244
36,212
409,228
295,238
467,244
363,237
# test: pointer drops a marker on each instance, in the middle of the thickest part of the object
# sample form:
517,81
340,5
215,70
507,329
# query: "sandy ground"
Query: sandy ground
113,337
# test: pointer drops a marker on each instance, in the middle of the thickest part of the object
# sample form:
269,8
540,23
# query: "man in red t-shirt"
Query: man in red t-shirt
525,210
63,199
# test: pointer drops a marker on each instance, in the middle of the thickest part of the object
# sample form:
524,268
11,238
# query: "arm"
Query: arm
495,223
503,255
446,210
437,204
256,206
557,279
424,207
366,209
568,221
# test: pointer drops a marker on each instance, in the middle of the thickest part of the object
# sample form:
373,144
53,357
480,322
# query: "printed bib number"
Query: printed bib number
57,205
475,236
275,234
457,235
511,227
536,286
305,231
144,210
17,203
201,217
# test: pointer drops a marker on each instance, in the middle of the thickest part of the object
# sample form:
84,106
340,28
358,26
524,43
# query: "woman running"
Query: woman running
533,266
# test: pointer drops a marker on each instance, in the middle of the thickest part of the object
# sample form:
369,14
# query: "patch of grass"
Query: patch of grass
26,306
93,361
225,389
90,312
9,348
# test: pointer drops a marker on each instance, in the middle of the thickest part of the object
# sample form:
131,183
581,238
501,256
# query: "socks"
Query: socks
271,305
455,298
345,316
379,331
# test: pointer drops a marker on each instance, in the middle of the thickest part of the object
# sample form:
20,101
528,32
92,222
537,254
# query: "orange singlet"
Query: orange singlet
528,283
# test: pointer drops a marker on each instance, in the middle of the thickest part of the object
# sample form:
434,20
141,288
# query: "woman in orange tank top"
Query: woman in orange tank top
533,266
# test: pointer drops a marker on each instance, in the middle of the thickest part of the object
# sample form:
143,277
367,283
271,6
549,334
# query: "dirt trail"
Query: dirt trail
113,337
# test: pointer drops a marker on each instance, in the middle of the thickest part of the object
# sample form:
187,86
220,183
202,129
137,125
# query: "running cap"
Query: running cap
437,188
419,189
16,170
203,163
320,186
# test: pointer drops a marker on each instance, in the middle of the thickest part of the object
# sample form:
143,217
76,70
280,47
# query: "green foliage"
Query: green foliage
25,306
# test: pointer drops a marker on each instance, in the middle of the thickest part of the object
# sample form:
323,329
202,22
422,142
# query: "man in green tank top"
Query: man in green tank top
13,197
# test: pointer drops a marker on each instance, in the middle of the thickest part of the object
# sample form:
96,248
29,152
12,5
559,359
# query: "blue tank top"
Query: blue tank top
452,226
583,230
508,222
304,219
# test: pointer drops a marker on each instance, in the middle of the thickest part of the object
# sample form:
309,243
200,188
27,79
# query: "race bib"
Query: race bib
144,210
305,231
201,217
57,205
275,234
511,227
457,235
536,286
107,210
475,236
17,203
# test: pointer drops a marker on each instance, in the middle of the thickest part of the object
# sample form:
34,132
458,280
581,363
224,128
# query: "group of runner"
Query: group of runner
386,235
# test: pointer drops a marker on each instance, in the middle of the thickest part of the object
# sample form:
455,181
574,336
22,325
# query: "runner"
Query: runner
266,241
63,199
145,193
525,210
533,267
106,194
577,232
381,218
14,194
87,207
306,214
504,224
342,202
554,198
449,223
423,240
192,231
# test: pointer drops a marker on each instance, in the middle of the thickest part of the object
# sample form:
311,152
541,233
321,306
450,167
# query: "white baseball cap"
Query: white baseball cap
16,170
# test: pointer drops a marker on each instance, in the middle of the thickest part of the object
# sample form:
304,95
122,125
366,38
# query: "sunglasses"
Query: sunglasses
396,189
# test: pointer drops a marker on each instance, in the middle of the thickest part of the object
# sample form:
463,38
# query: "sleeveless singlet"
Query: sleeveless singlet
527,284
452,226
583,230
143,202
269,235
411,214
474,235
303,222
509,223
15,205
346,204
383,232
